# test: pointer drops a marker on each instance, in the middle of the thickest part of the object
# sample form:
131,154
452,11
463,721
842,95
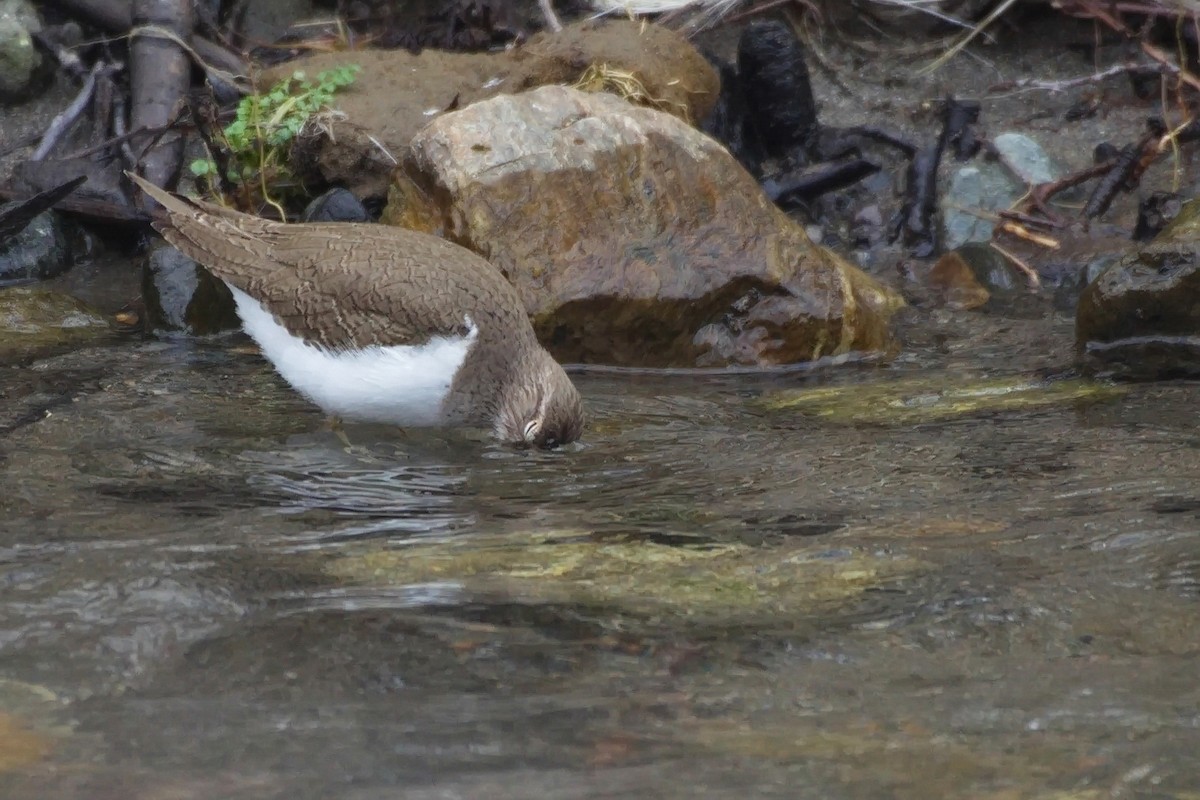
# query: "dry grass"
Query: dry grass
604,78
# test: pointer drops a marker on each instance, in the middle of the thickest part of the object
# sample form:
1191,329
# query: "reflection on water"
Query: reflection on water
205,595
379,493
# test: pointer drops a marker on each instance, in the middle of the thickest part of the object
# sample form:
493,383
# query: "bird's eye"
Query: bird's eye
531,430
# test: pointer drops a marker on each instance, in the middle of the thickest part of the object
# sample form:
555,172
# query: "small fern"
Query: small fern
256,142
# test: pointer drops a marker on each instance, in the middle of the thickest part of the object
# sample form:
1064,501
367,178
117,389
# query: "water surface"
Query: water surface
204,595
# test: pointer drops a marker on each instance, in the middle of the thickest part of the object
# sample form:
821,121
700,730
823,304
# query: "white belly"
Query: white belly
401,385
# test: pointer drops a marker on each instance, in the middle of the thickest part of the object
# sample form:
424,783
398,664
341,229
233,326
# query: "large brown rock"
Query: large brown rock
632,237
397,92
1141,316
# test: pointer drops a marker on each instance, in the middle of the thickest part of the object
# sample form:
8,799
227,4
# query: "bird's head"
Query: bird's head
543,409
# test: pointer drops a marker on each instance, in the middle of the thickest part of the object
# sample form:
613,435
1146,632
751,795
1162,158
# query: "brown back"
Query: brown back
347,285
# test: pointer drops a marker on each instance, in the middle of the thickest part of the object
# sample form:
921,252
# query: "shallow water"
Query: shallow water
205,596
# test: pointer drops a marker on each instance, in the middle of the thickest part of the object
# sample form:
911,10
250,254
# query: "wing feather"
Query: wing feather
345,285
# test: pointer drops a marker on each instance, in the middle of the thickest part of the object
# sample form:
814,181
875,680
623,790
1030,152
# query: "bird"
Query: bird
377,323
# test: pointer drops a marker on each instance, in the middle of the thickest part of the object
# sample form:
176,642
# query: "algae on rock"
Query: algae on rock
713,584
35,321
911,401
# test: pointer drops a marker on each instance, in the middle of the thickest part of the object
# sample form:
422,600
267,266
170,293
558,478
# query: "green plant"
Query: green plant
255,144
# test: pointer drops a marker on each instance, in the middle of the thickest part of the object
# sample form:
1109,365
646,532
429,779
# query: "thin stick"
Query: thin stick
1027,220
1029,272
208,66
1021,232
1039,196
978,29
123,137
1037,84
61,123
552,21
1162,58
66,59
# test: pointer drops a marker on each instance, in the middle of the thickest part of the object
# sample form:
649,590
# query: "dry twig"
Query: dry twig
1031,275
64,120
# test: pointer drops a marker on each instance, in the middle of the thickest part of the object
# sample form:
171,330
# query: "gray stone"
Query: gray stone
336,205
182,297
1026,158
19,59
987,188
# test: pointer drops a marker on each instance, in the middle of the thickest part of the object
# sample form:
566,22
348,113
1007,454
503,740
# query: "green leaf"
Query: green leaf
267,122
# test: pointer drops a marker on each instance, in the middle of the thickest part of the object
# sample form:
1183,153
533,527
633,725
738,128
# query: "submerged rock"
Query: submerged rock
929,399
1140,318
35,322
633,238
397,92
706,584
29,729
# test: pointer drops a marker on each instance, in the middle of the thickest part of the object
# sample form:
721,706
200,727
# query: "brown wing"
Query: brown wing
345,285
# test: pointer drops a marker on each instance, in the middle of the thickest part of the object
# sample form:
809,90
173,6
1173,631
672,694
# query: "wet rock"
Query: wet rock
632,237
181,296
21,64
1155,213
986,187
36,322
992,185
43,249
17,215
1070,279
336,205
955,282
397,92
1141,317
991,270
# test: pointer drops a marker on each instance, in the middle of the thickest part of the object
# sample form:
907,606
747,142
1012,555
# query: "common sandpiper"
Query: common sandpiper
382,324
